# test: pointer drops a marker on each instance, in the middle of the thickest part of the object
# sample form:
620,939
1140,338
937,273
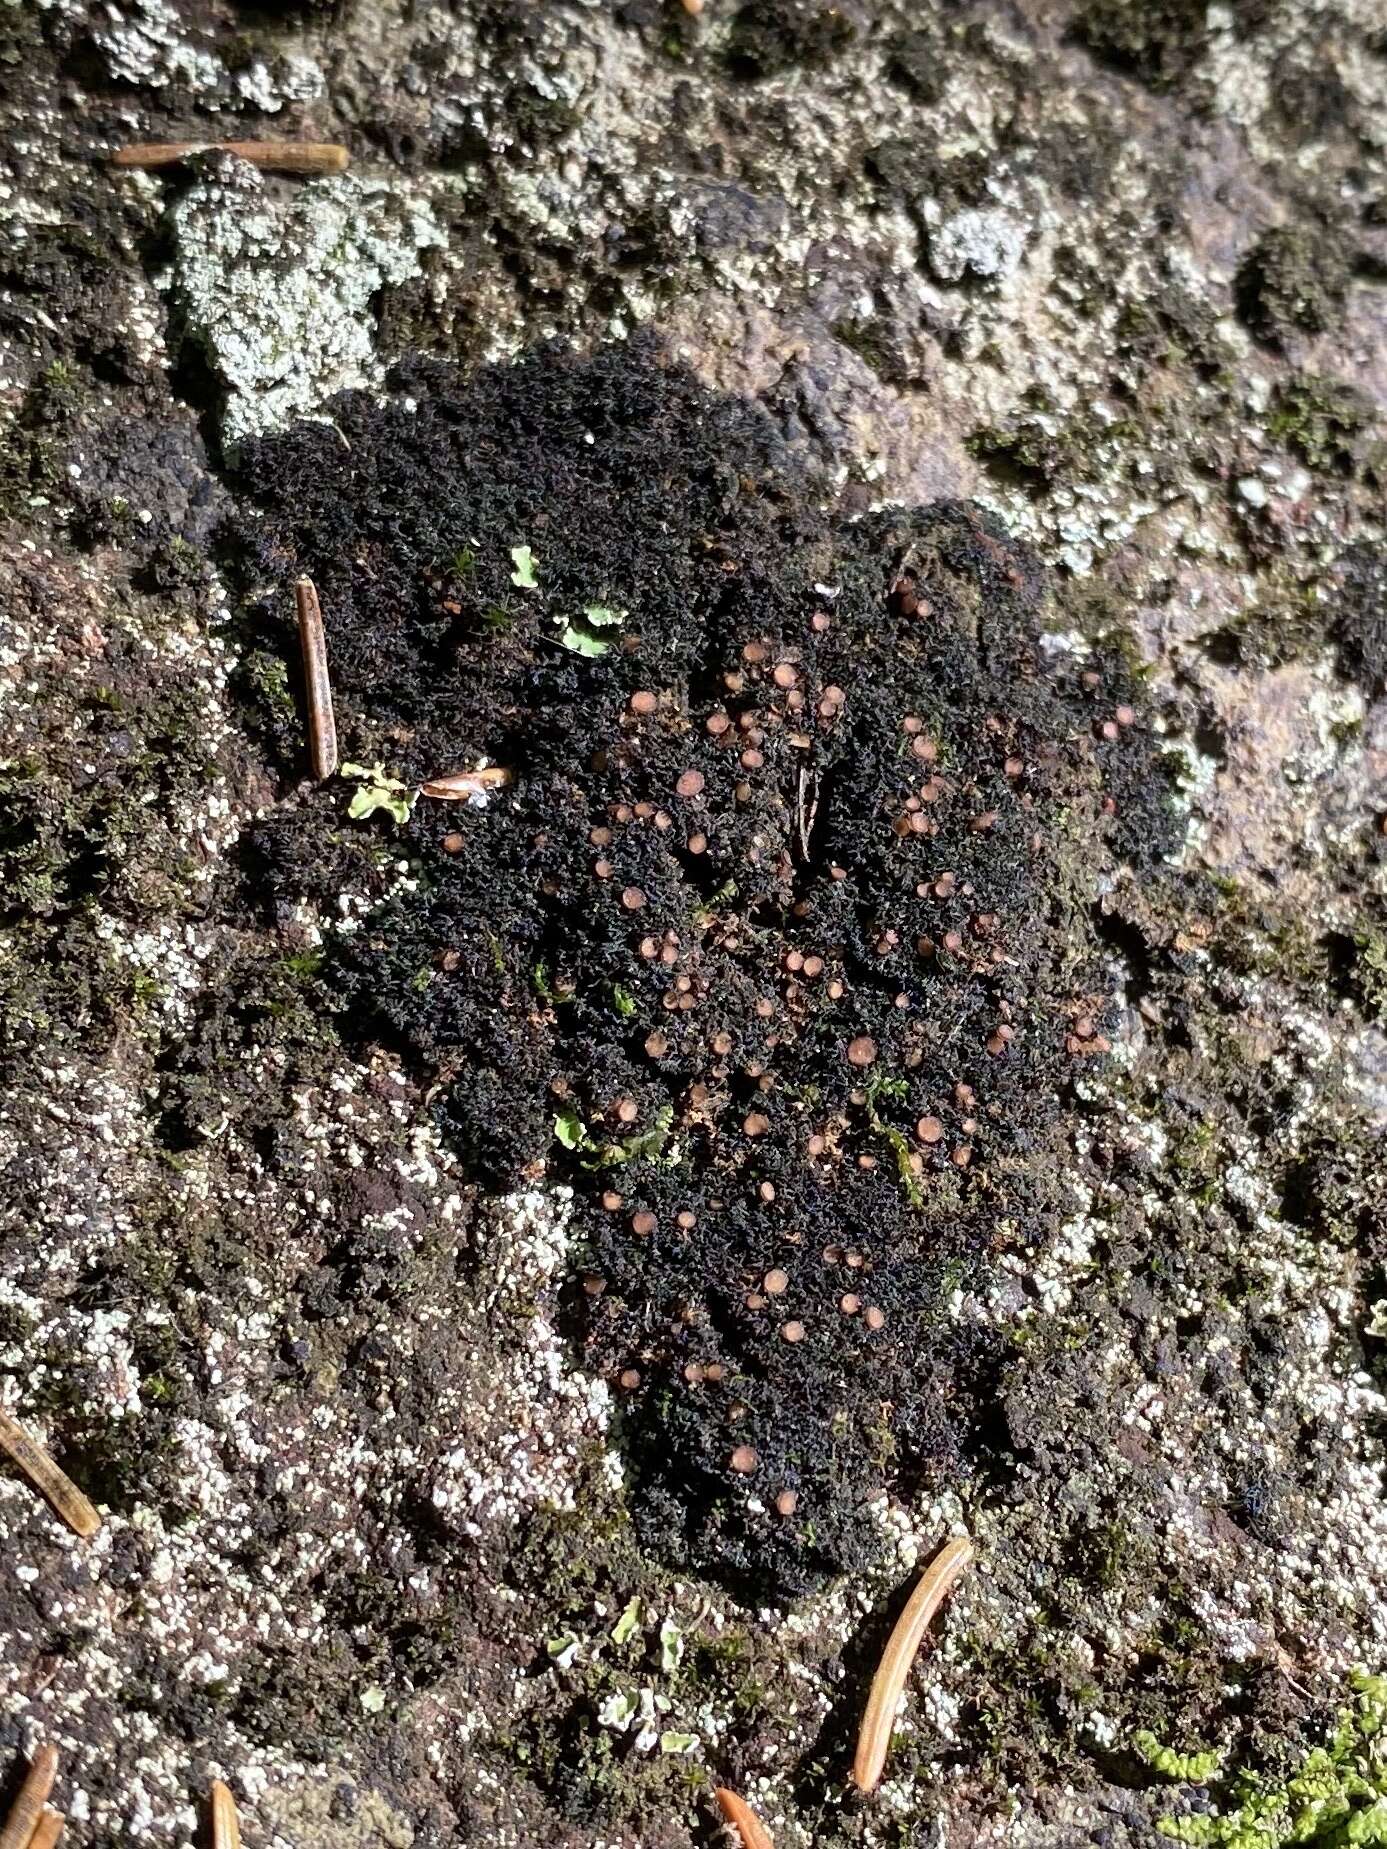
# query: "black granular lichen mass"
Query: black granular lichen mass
780,947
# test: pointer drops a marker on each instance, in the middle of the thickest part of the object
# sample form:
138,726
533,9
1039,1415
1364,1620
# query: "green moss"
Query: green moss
1370,972
571,1574
16,1325
771,36
80,838
1284,625
1107,1553
1158,41
875,343
173,565
1334,1795
1322,420
1165,327
1189,1767
900,164
34,441
1355,594
1017,455
1294,281
21,35
1039,446
896,1090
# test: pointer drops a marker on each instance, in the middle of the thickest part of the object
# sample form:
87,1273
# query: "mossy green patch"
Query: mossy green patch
1284,625
770,36
1294,281
1159,43
1355,592
1334,1796
1322,420
34,442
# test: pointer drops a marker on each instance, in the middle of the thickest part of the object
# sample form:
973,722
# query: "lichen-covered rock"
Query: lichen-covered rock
774,970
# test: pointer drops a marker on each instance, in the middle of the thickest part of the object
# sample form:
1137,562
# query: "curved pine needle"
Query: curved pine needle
46,1477
322,726
47,1830
27,1808
461,786
226,1826
935,1584
743,1819
282,156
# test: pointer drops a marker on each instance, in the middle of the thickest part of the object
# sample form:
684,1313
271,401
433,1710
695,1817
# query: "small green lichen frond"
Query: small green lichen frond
580,633
896,1090
1335,1797
572,1132
376,790
645,1145
523,577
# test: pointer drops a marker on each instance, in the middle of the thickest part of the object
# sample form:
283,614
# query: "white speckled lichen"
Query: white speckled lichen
278,289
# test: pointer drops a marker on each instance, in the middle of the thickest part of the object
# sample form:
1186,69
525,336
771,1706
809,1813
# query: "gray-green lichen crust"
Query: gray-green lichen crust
277,292
1113,271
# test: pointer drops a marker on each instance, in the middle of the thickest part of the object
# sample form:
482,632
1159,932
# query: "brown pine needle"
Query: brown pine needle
226,1828
743,1819
322,726
874,1739
461,785
33,1795
282,156
46,1477
47,1830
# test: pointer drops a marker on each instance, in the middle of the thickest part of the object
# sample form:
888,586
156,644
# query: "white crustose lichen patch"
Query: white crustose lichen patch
279,290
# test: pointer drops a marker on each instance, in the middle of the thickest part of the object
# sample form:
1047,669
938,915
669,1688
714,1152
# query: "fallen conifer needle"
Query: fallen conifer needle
27,1808
226,1828
875,1738
282,156
462,785
47,1830
322,726
46,1477
743,1819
